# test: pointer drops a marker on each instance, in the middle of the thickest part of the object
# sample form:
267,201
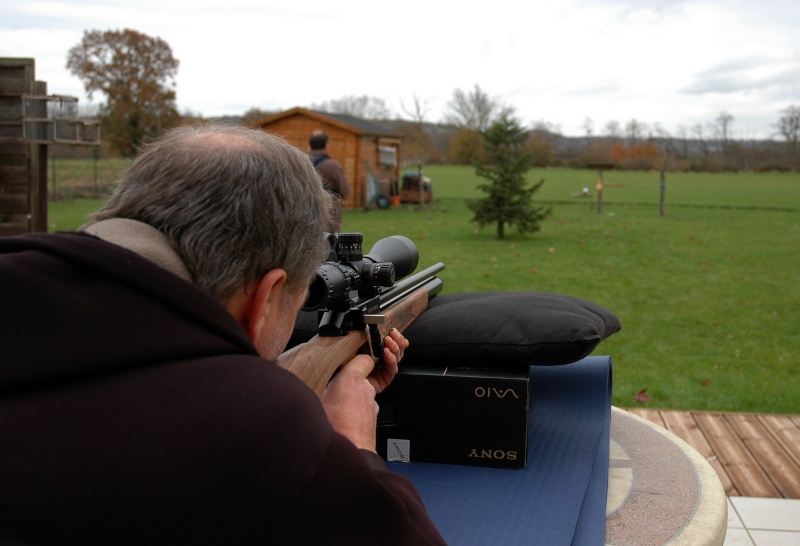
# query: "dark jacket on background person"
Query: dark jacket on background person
134,409
335,181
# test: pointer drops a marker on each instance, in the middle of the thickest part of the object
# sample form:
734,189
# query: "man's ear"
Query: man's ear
259,303
267,303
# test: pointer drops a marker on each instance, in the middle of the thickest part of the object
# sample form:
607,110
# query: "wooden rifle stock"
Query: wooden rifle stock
317,361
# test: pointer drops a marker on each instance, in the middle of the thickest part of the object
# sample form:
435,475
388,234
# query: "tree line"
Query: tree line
136,75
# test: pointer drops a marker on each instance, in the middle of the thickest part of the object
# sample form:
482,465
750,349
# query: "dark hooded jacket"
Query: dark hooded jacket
135,410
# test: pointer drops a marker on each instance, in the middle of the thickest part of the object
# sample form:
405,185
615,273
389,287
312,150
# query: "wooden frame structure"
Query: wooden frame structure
30,119
23,165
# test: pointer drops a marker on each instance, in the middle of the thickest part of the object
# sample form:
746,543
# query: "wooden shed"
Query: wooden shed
368,152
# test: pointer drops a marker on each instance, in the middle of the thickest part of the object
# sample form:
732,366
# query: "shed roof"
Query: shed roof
350,123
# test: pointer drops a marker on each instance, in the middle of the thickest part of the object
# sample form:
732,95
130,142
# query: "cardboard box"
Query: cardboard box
475,417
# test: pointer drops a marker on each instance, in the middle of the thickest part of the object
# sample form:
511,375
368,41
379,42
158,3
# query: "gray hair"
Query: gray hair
233,202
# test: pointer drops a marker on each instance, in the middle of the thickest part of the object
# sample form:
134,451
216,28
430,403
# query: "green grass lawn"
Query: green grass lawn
707,294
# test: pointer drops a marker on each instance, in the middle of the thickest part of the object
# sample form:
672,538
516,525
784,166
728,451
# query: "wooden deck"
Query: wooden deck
754,455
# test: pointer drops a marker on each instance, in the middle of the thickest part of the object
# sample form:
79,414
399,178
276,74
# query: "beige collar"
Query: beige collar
141,238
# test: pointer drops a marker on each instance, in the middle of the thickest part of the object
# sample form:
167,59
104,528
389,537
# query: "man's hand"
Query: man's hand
395,345
349,399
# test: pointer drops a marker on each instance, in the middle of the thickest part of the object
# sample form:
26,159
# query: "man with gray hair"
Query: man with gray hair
139,400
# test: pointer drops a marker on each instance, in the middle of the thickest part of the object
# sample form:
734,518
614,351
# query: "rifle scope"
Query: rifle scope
347,269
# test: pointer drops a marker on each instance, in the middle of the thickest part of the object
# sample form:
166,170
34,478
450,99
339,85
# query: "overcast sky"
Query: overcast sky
672,62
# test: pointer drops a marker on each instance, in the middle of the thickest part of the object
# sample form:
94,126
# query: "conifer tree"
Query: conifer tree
509,200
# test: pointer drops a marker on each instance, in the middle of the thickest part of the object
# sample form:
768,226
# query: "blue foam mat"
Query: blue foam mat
560,497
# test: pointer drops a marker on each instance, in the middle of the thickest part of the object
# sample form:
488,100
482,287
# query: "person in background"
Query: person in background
333,176
139,398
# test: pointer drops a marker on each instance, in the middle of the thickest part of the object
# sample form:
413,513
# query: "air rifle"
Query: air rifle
358,302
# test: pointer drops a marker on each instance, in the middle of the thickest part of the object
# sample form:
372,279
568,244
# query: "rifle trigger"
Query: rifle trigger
374,319
376,341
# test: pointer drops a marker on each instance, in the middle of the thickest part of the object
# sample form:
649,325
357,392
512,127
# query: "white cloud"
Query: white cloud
669,61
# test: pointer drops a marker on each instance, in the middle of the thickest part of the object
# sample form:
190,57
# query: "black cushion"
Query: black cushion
498,330
507,329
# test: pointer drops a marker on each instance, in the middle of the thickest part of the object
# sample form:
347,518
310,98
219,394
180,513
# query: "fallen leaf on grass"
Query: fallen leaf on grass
641,396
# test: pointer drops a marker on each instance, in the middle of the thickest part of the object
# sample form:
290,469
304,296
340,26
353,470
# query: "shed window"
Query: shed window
387,156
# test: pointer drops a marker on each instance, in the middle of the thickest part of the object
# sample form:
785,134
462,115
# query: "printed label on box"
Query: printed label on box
398,450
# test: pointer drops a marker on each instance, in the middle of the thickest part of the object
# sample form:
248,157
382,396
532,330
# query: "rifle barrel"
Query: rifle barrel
424,279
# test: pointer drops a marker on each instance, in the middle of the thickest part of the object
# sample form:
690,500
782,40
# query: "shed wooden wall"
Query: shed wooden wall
342,146
359,154
370,154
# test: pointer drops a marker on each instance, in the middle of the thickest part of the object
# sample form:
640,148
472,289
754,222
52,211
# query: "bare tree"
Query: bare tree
613,130
635,131
254,114
363,107
729,153
588,130
683,135
472,110
722,126
789,127
417,112
665,141
697,130
541,142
